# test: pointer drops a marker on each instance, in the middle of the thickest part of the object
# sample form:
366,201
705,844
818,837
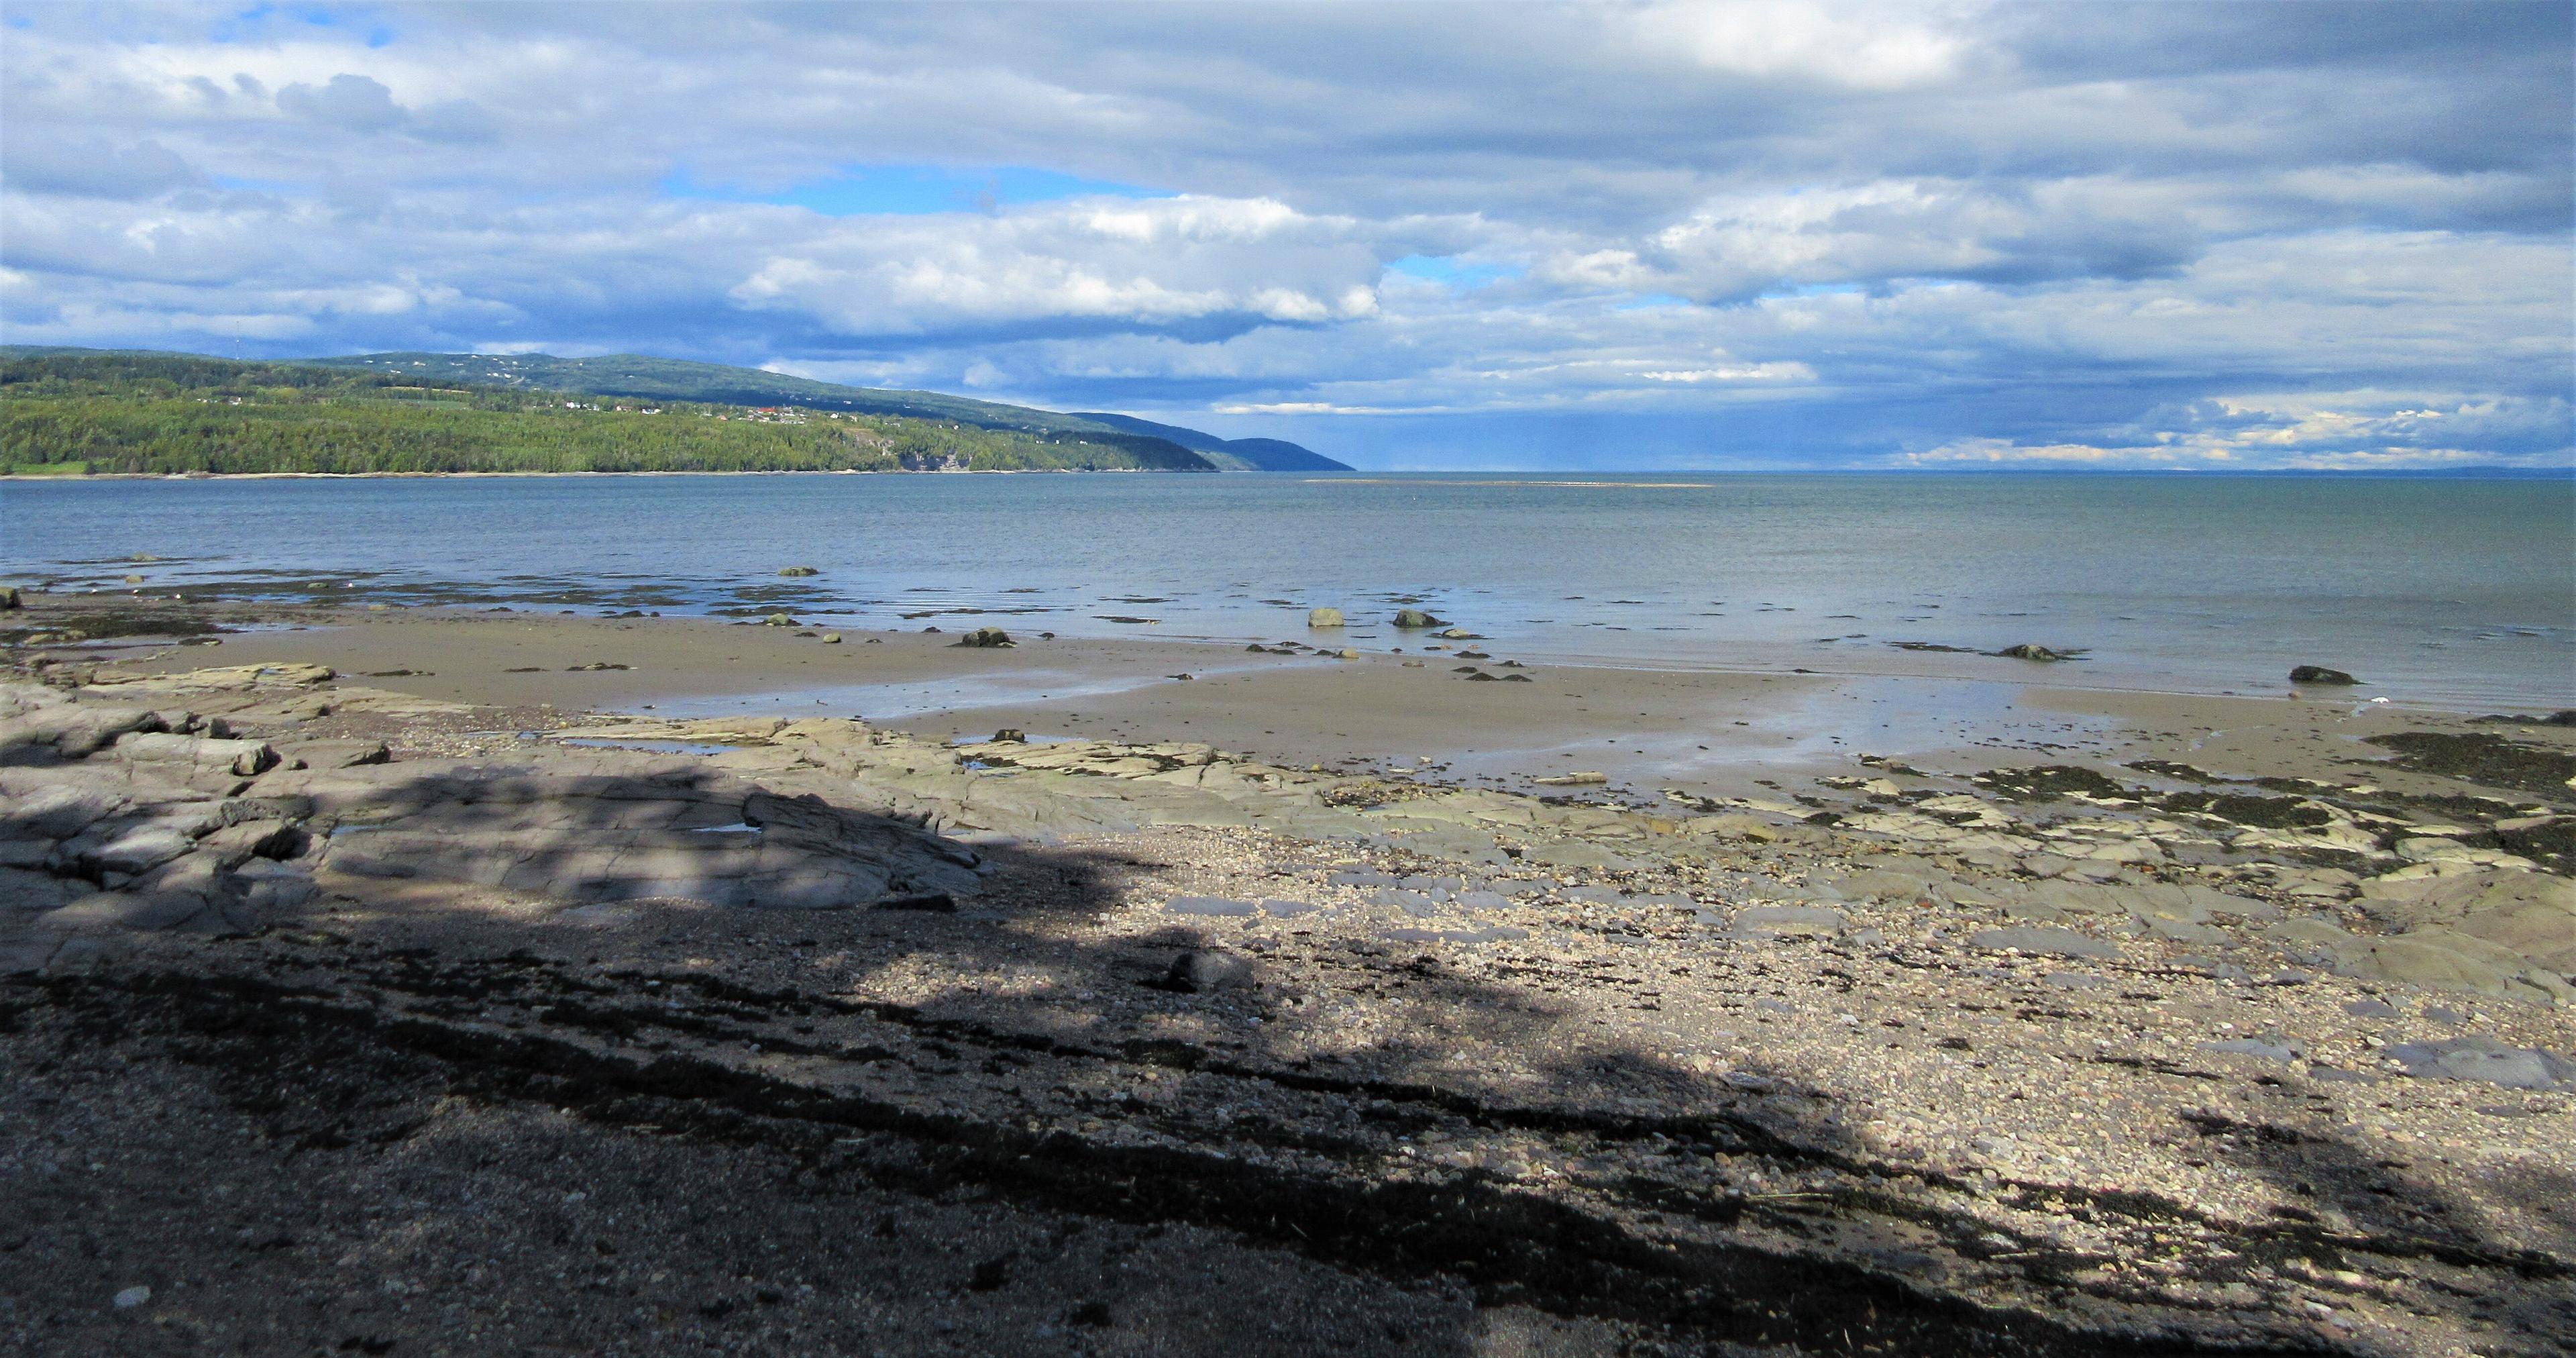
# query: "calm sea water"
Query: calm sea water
2452,592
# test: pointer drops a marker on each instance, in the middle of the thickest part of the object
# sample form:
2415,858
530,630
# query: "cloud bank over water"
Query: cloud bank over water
1652,235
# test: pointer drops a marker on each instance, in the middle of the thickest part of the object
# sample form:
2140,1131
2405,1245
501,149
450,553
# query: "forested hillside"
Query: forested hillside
637,375
95,413
671,379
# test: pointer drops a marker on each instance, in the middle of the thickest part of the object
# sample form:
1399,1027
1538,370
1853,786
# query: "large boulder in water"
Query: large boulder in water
1324,617
2319,674
1415,619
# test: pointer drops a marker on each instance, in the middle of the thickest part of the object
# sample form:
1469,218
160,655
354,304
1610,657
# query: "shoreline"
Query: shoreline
1368,476
2237,1024
1705,730
1890,660
432,476
1749,606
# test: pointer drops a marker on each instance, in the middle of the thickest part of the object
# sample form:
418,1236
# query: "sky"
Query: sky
1633,236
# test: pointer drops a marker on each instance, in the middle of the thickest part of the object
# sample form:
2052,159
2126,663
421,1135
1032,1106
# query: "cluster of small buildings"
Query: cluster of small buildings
769,415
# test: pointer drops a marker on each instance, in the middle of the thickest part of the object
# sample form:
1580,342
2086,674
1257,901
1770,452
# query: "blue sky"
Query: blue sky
1641,235
896,190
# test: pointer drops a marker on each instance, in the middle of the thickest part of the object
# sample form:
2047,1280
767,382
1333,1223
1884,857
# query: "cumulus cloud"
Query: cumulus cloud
354,102
2309,431
1868,47
2244,235
1186,261
86,167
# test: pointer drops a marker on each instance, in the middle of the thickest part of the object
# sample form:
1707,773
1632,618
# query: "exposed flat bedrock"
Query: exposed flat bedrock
336,1016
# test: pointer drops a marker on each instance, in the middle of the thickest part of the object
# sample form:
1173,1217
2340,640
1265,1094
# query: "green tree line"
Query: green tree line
169,414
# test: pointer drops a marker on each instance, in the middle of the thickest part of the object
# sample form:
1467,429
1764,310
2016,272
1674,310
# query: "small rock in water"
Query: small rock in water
1197,971
1009,735
2319,674
798,570
1324,617
2028,651
1414,619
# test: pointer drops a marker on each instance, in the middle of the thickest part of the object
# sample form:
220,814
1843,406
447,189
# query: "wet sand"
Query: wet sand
1708,733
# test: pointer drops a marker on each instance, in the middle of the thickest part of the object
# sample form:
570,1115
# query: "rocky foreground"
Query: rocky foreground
340,1019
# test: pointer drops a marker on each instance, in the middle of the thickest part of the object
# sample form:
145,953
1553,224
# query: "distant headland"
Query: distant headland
76,412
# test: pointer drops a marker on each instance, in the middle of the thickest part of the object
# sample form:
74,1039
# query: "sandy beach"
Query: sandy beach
483,981
1395,704
1778,680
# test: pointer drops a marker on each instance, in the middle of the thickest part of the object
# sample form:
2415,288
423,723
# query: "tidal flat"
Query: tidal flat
448,980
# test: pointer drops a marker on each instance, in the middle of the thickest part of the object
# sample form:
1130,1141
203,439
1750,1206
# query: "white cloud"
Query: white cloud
2315,431
1879,47
355,102
1734,372
2055,233
1147,263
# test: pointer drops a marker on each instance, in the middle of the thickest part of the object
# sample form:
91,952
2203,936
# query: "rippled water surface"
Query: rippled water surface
2444,591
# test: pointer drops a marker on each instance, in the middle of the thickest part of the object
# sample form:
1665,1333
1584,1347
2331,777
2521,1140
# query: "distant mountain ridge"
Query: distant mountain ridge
1259,455
82,412
671,379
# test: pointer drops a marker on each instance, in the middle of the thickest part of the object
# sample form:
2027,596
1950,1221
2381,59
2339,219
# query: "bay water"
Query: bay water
2448,592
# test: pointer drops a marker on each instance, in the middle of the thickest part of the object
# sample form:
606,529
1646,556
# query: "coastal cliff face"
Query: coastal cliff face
715,1030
